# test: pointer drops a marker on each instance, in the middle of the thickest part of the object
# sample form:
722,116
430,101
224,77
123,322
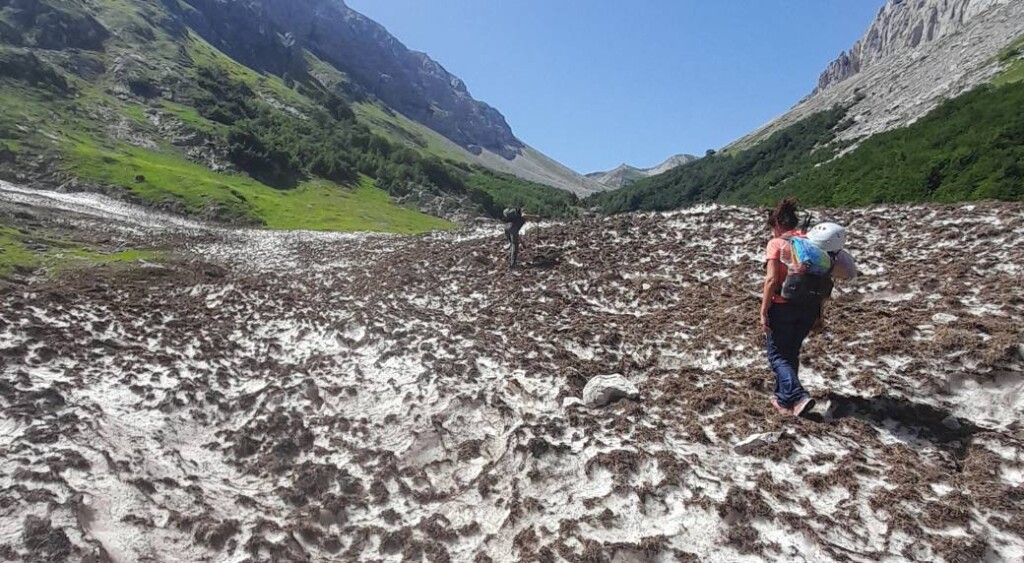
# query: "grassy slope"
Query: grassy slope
315,205
401,129
28,250
74,127
969,148
166,176
13,253
1013,59
722,177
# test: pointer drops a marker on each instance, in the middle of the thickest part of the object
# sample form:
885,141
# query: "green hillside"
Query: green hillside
142,105
968,148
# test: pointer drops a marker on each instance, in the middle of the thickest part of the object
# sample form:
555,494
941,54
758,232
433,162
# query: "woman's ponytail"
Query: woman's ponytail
785,214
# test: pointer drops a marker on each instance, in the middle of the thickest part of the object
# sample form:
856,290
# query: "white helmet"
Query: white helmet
829,236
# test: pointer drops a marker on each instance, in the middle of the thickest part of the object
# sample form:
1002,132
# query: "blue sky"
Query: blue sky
594,83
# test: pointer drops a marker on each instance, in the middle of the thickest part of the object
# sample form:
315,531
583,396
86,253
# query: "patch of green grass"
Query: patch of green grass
57,256
1013,57
1013,73
191,118
323,206
1012,51
403,130
95,257
136,113
63,259
203,54
316,205
326,73
32,119
162,178
13,254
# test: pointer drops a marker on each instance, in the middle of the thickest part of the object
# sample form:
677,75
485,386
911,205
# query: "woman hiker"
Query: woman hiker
785,325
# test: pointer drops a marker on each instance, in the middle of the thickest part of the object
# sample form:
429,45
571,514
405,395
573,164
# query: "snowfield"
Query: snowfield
335,397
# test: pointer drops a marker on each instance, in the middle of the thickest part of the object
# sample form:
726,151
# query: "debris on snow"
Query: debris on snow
319,396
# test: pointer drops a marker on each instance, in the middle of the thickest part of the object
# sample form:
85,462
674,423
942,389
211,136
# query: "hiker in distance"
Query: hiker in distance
514,219
798,281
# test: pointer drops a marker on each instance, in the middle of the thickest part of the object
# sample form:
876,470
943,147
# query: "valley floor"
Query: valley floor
294,396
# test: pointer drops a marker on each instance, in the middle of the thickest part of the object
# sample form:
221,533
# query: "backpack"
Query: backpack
809,279
511,215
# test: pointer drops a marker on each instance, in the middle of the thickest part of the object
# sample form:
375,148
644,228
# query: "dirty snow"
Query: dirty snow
304,396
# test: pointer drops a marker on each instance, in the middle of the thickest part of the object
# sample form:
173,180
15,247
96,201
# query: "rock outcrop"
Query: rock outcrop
49,25
902,26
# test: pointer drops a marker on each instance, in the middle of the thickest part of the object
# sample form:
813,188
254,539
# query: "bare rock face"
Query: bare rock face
901,26
49,25
916,54
603,390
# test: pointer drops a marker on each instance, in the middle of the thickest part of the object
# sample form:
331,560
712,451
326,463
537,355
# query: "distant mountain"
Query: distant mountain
625,174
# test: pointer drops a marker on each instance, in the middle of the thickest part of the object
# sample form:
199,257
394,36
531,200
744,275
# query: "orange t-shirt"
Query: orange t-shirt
779,249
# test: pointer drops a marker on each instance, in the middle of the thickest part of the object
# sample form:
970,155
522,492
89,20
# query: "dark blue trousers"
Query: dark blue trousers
512,236
790,325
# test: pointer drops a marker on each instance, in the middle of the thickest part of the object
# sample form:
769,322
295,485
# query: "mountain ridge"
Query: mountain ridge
897,74
902,25
626,174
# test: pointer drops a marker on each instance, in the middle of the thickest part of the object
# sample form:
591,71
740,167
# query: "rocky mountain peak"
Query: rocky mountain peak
902,26
625,174
915,54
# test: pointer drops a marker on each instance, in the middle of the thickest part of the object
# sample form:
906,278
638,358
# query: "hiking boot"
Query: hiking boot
803,406
782,410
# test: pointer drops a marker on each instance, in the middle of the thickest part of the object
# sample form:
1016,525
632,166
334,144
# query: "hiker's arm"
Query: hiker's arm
772,279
